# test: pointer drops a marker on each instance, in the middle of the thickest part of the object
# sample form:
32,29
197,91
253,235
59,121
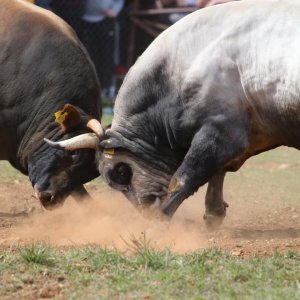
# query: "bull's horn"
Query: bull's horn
96,126
87,140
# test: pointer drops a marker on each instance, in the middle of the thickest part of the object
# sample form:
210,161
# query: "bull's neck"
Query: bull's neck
30,133
153,135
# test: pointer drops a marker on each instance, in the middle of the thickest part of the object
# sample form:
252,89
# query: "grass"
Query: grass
142,272
40,254
96,273
9,174
106,120
268,174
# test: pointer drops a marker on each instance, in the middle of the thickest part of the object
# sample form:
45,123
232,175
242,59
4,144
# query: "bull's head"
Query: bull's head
54,172
123,167
136,172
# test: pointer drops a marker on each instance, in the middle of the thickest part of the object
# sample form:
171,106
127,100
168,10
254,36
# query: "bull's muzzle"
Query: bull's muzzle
48,199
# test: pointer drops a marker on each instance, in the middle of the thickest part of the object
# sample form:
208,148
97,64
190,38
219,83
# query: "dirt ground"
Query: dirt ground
251,227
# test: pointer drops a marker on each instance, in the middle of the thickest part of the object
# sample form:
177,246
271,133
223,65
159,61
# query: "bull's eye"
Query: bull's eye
121,174
74,154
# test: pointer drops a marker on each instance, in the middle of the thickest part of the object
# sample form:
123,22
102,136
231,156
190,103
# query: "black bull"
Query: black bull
45,69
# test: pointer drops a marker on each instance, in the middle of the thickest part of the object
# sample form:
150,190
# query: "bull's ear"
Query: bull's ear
68,118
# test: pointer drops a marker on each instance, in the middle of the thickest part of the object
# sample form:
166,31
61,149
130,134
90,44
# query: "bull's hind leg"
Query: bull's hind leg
215,206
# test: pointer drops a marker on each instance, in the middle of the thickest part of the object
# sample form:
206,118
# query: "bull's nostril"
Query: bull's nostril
46,197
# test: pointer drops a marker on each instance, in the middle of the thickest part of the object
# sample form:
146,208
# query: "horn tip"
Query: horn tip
53,144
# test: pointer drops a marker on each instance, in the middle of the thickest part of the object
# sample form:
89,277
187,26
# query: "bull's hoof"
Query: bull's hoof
213,222
214,219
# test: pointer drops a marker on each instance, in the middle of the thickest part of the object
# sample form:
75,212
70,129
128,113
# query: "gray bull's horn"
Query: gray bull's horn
96,126
86,140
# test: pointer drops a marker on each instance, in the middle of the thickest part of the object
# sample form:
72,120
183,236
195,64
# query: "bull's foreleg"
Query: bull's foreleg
215,206
211,149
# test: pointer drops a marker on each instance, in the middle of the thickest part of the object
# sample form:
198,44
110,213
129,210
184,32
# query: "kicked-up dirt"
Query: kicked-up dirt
254,225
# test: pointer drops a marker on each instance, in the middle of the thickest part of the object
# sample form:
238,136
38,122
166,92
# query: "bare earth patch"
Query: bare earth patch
263,217
251,227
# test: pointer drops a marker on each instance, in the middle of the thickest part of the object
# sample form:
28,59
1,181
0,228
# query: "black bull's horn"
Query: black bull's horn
86,140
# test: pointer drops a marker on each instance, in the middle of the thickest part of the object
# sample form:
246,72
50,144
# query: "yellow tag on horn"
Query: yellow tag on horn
110,151
60,116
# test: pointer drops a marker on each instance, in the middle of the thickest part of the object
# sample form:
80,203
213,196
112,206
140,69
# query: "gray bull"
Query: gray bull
216,88
44,69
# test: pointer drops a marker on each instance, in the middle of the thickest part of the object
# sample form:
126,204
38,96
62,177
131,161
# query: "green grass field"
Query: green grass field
94,273
91,272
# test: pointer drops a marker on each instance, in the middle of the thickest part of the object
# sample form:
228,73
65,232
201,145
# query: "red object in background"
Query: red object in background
121,70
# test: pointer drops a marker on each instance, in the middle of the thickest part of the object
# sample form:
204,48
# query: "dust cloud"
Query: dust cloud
111,221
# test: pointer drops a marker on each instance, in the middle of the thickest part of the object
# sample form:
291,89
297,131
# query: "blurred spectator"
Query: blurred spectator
143,39
43,3
98,36
149,4
69,10
174,17
124,23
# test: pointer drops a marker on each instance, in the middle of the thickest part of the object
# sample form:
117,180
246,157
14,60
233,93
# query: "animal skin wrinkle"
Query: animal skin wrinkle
169,129
31,127
5,51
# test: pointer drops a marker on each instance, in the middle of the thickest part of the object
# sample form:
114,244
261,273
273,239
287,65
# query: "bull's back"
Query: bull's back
259,37
21,17
42,67
268,63
244,51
